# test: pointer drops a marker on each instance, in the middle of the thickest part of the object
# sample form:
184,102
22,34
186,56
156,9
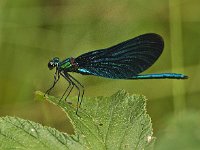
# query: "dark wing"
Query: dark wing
123,60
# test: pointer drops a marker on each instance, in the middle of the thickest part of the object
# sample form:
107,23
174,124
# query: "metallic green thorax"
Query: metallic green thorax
68,65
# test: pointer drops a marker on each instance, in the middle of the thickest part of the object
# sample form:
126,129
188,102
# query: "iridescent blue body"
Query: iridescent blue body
122,61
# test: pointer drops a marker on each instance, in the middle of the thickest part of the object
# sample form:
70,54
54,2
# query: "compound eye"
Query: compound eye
51,65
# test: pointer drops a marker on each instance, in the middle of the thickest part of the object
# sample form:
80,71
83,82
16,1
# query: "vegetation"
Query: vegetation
34,31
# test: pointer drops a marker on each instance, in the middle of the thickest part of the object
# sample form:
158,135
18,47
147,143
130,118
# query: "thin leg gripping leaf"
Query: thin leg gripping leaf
116,122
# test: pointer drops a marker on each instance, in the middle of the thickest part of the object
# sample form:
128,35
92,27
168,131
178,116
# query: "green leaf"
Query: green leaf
16,133
116,122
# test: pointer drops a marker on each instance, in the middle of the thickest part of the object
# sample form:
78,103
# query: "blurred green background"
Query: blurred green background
34,31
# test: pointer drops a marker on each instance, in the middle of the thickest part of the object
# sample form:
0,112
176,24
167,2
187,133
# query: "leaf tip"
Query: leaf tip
39,95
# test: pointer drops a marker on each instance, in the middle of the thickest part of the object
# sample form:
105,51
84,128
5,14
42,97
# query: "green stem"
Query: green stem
177,54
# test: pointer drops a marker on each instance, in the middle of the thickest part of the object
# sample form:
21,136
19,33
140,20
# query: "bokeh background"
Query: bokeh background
34,31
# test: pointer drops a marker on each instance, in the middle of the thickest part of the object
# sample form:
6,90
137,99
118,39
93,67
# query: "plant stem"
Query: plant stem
177,54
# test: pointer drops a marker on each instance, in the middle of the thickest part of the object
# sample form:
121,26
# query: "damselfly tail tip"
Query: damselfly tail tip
179,76
185,77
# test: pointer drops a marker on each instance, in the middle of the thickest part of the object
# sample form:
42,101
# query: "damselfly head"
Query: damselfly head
53,63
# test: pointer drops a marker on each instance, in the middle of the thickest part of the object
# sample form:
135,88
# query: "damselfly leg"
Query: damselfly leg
56,79
70,87
78,86
81,87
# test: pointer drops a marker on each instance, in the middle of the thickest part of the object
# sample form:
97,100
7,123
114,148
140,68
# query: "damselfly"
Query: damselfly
122,61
